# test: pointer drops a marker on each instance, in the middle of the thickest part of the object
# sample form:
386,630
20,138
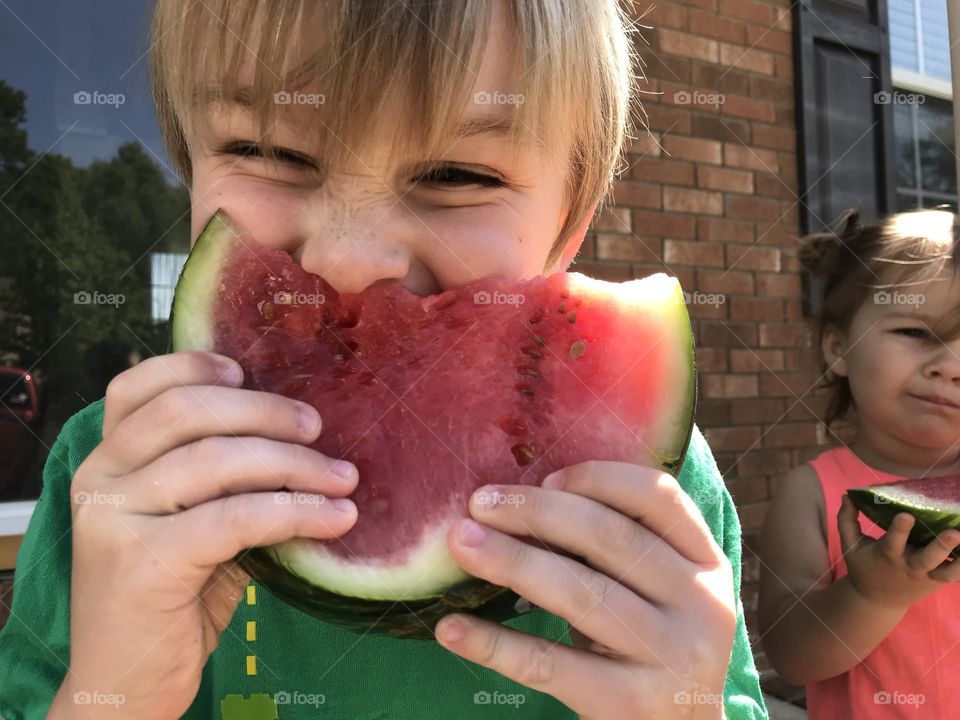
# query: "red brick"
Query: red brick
791,385
783,232
612,219
705,306
712,412
686,148
666,171
748,308
748,10
761,110
752,207
712,26
780,285
724,129
792,335
612,246
667,118
732,438
716,229
603,271
764,37
752,515
702,4
628,193
784,21
790,435
716,78
762,411
711,360
667,15
692,201
774,90
688,252
764,462
729,386
728,283
646,144
727,334
687,45
776,138
784,67
745,490
747,58
715,178
737,155
752,257
663,224
756,360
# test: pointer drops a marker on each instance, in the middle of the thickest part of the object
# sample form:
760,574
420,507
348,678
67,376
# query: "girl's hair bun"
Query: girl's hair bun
818,251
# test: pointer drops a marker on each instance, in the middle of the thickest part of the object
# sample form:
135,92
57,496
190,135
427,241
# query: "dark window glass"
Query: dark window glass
86,202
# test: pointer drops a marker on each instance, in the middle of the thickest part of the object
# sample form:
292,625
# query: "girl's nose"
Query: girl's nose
355,239
946,364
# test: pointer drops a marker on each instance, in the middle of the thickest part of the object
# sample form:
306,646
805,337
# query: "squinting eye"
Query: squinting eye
918,333
252,150
457,176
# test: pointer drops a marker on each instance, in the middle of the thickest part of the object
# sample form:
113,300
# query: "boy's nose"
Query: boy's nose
354,240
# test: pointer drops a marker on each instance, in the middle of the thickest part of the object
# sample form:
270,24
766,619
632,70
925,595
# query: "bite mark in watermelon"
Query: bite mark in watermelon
497,382
933,501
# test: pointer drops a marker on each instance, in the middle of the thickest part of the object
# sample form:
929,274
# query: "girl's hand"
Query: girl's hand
650,605
887,571
191,470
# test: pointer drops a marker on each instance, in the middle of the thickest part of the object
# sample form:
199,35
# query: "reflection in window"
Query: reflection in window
925,159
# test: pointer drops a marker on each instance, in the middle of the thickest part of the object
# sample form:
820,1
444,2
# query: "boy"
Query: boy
373,142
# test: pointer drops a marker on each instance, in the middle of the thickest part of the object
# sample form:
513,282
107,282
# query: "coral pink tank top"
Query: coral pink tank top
910,674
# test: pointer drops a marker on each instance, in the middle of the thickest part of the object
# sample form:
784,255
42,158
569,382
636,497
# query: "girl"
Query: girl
870,624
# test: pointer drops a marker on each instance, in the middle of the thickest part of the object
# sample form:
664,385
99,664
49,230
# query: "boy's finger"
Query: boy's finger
181,415
932,555
214,532
218,466
134,388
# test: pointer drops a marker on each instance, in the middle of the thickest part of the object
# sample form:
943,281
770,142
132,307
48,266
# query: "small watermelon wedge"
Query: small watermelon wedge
499,381
933,501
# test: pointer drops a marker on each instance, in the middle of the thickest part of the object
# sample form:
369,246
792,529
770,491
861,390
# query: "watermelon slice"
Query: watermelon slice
933,501
498,381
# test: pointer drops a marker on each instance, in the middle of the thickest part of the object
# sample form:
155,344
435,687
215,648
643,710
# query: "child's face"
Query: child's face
893,360
367,222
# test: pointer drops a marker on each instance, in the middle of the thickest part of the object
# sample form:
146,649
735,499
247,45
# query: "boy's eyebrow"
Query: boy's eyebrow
912,316
497,124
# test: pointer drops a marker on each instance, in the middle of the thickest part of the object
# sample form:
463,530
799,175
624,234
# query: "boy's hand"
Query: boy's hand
191,470
888,572
650,605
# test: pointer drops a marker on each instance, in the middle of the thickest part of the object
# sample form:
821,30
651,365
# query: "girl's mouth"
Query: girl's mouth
937,400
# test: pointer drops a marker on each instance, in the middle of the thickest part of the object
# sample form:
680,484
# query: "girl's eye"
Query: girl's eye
456,177
918,333
252,150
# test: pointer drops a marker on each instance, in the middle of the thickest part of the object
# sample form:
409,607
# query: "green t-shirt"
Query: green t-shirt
291,666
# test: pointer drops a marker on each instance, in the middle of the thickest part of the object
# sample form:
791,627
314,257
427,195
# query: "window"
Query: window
923,107
93,223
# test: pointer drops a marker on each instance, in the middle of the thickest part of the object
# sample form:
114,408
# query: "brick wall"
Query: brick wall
711,195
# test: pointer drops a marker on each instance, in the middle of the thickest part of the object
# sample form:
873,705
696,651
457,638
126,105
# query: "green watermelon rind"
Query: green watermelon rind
882,503
191,328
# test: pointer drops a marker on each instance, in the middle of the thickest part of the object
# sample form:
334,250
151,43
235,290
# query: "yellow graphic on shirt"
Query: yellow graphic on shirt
259,706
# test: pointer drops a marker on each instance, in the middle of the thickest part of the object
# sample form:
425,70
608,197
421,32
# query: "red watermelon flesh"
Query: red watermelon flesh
500,381
933,501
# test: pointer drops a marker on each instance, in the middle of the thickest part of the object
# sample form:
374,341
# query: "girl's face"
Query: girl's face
904,379
481,210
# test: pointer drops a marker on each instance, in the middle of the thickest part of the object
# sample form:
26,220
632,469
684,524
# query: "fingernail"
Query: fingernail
451,631
553,481
308,419
343,469
231,372
471,534
343,505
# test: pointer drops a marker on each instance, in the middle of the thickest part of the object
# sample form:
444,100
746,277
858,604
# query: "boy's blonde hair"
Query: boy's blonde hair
577,65
905,250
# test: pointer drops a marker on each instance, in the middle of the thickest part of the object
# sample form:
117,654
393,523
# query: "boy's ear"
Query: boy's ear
573,244
834,347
